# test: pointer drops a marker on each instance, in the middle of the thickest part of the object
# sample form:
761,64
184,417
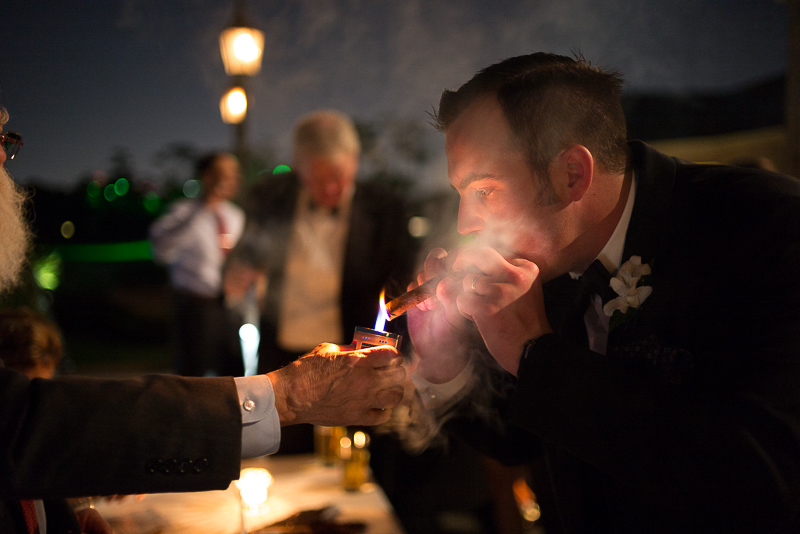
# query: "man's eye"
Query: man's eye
482,193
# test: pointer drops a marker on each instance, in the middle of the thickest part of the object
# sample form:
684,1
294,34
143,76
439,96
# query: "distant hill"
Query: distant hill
679,115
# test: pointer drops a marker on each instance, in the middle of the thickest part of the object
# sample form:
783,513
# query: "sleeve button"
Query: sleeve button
200,465
248,405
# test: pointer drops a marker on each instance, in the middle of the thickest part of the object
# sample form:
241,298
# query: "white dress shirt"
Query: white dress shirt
310,310
187,239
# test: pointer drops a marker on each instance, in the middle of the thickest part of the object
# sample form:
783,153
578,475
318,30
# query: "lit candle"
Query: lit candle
355,456
253,484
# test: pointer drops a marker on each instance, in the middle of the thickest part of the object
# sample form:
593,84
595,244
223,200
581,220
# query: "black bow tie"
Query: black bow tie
595,281
315,208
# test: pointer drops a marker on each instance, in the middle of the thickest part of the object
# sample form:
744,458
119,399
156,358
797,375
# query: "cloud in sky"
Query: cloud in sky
81,77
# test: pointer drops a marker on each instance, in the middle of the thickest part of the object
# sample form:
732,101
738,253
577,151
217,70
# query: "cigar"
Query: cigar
406,301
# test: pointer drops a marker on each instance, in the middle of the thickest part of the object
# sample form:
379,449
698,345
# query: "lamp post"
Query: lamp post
241,47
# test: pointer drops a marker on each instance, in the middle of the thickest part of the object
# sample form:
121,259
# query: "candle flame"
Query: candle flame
383,315
359,439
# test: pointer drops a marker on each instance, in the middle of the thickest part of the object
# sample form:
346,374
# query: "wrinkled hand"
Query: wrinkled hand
440,333
338,386
504,298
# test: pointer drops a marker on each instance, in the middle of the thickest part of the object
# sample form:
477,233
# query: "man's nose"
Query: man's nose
469,222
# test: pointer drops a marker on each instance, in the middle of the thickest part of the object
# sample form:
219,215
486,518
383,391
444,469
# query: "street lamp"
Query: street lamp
233,106
241,47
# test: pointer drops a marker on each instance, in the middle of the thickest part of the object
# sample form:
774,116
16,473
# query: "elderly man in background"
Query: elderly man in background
193,239
324,244
77,436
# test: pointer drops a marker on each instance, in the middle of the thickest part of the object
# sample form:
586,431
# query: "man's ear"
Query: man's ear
578,164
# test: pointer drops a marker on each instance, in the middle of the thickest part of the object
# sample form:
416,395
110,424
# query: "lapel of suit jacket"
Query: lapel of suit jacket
655,175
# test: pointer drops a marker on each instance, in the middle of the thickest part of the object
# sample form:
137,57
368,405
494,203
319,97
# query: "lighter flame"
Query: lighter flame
383,315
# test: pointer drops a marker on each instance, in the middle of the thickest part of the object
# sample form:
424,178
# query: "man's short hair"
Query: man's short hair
550,102
207,161
325,133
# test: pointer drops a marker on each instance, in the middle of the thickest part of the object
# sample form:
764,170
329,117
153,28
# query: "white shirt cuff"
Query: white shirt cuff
261,426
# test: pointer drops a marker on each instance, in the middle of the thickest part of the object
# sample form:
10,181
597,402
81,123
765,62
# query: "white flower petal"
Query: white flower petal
611,306
619,287
644,292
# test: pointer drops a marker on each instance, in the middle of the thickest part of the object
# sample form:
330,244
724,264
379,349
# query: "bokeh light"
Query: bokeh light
47,271
67,229
109,193
191,189
281,169
93,189
151,202
122,186
245,47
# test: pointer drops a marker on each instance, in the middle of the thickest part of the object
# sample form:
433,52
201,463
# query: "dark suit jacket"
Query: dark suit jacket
691,422
379,253
70,437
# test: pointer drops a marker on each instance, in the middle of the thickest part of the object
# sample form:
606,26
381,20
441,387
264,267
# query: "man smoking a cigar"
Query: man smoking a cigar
670,405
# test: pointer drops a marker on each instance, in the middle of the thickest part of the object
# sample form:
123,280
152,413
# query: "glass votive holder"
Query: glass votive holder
354,451
326,443
253,485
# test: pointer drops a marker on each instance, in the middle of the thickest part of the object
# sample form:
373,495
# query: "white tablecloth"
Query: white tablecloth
300,483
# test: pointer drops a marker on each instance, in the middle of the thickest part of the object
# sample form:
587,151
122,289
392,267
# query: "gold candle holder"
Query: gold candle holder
326,443
355,460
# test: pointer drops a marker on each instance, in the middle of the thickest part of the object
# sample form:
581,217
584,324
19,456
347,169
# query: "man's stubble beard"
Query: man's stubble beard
14,232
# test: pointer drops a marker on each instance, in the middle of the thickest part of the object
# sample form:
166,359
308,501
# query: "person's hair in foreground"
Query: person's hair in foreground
550,103
29,342
14,232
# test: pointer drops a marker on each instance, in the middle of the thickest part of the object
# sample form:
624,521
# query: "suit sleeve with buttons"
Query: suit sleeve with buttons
83,436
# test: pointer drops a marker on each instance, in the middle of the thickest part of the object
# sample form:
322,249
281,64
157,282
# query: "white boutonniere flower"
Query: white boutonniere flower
630,285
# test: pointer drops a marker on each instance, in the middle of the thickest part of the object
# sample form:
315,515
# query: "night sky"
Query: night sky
82,78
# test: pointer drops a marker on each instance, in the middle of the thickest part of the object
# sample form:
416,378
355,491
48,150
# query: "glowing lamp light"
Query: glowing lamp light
253,485
241,49
233,106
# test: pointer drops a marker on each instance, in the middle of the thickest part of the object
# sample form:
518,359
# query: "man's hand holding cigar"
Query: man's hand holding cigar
503,297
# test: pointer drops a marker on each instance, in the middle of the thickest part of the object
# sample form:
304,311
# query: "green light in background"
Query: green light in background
281,169
67,229
109,193
106,252
47,271
191,189
93,189
122,186
151,202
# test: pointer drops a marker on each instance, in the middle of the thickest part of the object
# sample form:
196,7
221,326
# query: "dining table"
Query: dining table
301,483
